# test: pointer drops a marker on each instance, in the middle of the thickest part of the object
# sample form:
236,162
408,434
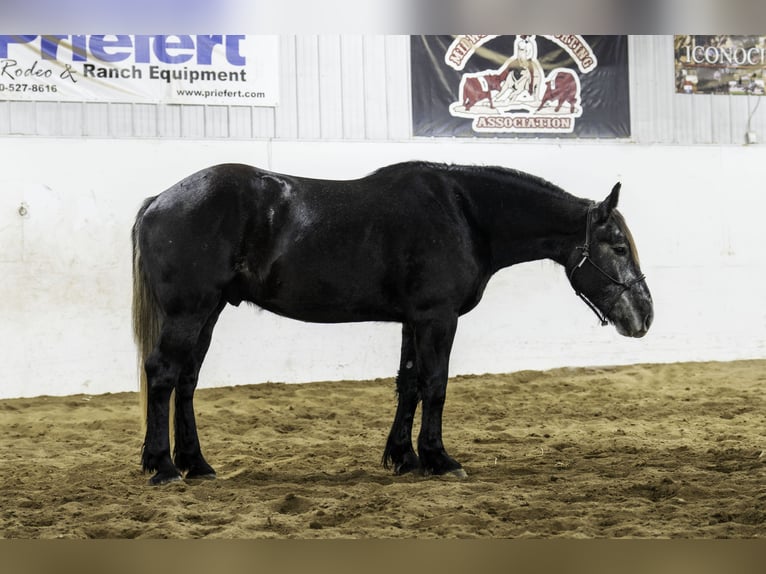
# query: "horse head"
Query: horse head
605,271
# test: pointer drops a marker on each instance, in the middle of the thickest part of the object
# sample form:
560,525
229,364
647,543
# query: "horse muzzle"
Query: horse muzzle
633,313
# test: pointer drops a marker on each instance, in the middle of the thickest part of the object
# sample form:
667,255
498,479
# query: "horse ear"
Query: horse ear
605,208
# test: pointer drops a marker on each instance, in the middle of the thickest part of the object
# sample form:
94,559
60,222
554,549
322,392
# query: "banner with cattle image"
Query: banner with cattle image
521,86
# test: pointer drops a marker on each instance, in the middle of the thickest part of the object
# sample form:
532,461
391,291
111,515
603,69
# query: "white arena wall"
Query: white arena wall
67,205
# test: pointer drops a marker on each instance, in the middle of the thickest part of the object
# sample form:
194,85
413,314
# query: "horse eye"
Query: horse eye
620,249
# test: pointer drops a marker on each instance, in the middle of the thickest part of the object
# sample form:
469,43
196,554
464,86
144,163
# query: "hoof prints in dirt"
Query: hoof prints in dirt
666,488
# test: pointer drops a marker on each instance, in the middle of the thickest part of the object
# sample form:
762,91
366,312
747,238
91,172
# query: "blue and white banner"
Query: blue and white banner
181,69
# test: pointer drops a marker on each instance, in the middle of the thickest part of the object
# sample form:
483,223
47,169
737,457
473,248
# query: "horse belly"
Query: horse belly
325,302
309,285
391,292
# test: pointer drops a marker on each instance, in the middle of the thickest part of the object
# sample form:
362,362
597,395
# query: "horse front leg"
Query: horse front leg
399,452
434,339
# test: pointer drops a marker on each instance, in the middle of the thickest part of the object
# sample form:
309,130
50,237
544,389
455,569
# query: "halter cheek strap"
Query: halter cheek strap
625,285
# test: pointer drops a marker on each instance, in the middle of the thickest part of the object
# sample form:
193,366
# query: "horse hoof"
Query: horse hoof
458,473
206,476
159,479
406,468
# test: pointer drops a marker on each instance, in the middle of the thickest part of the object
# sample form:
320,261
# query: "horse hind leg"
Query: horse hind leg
164,366
399,452
187,453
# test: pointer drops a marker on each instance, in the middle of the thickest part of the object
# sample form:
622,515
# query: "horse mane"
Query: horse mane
517,178
514,177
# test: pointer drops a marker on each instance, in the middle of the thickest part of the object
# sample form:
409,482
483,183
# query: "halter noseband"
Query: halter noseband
585,249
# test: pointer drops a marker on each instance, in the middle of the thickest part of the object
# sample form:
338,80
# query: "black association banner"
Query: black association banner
525,85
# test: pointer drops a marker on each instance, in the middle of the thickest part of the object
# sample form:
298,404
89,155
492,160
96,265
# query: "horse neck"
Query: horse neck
523,218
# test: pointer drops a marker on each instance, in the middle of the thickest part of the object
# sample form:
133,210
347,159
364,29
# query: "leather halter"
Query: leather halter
585,249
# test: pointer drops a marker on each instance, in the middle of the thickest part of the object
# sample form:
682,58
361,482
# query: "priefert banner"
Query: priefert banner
173,69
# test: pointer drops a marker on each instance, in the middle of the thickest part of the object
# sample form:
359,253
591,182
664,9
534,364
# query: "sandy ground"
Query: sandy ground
640,451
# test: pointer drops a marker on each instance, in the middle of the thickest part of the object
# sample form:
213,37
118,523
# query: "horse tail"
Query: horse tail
146,312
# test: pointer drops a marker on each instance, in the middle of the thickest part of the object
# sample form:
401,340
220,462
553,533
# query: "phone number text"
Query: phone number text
32,88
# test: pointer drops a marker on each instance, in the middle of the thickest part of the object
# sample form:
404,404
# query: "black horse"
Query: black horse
414,243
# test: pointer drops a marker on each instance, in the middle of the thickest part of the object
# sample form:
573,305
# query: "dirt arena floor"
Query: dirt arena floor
649,451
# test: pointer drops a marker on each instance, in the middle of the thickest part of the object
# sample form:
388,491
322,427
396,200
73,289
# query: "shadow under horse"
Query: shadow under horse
413,243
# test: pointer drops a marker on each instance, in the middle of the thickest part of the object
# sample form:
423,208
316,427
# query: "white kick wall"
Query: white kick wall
67,205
